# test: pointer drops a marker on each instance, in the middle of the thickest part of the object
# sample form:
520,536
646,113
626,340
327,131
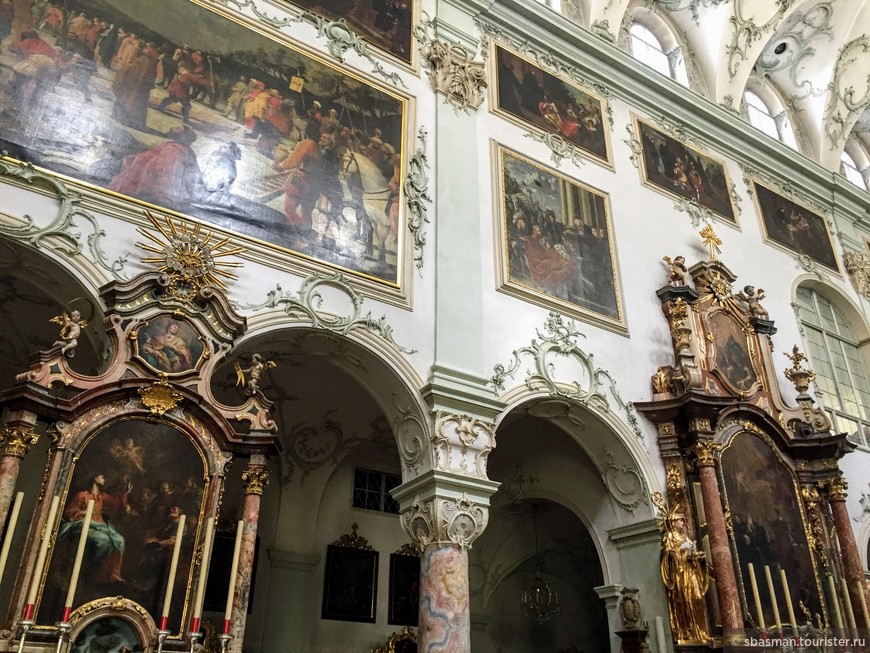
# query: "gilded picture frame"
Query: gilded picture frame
220,135
684,172
536,99
554,241
732,353
794,227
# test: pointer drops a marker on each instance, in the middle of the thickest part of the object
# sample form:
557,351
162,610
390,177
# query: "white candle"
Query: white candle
203,568
173,566
773,600
838,616
863,601
10,531
228,614
43,550
755,595
788,603
80,554
847,600
660,635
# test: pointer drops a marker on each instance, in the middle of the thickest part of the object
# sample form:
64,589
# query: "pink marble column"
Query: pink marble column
445,621
256,479
848,547
16,438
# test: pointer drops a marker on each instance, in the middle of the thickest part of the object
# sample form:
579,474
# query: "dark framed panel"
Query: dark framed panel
676,169
350,584
794,227
556,244
535,98
219,572
196,111
404,589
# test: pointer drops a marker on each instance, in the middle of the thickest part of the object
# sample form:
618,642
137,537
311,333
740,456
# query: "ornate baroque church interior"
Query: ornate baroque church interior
513,326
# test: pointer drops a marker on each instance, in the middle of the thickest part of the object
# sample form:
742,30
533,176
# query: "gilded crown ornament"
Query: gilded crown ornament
800,377
188,256
712,241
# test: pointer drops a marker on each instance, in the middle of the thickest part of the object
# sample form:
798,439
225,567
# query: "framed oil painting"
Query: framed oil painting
556,241
674,168
386,24
769,524
732,353
143,476
350,585
794,227
192,111
527,94
169,344
404,589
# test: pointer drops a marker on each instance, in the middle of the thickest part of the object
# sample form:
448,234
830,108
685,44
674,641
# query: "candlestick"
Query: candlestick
838,616
660,635
228,613
773,600
755,595
850,613
40,558
173,568
788,604
203,573
10,531
80,554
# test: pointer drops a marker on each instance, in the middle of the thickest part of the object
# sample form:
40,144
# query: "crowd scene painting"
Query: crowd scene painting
534,96
558,237
384,23
190,111
679,170
143,476
795,227
768,524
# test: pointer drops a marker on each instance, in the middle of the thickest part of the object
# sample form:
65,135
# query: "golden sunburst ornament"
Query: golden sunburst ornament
188,256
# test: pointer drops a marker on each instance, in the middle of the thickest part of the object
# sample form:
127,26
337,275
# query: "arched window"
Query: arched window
772,120
662,55
555,5
840,372
850,170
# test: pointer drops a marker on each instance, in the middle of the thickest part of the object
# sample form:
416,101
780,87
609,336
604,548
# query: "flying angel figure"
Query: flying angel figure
71,325
256,370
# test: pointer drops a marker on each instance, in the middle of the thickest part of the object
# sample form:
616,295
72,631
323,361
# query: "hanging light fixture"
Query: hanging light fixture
540,601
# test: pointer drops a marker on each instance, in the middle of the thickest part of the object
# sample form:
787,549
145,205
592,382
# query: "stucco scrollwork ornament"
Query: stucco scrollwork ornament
417,196
682,5
864,502
845,102
454,73
307,302
16,442
560,149
445,521
61,233
858,267
634,144
411,439
310,446
698,214
462,444
745,32
624,483
559,340
255,478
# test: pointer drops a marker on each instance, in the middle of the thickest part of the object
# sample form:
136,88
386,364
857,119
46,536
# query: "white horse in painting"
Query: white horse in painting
368,191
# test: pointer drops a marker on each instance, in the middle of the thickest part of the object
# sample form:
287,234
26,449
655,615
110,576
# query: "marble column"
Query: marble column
16,438
848,547
720,551
256,478
445,618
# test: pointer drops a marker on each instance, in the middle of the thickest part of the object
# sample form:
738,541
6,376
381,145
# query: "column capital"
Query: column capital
836,488
444,509
705,451
461,444
255,478
16,441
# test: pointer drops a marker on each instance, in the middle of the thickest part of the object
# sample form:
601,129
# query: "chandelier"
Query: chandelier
539,600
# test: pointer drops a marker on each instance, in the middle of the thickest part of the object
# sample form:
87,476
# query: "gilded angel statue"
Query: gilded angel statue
677,271
256,370
71,325
753,298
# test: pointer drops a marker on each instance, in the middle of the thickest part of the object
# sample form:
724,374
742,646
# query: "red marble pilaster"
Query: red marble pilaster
16,438
848,547
445,617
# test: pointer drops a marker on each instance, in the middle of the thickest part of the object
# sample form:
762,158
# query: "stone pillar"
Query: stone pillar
610,594
444,513
16,438
720,551
256,478
836,490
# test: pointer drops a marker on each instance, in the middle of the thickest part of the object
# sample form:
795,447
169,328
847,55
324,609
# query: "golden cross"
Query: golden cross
712,241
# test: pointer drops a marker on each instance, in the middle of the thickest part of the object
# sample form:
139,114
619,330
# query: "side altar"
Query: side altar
120,543
757,541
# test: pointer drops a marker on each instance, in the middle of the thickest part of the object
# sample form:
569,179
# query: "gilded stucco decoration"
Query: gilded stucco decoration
62,233
256,479
417,196
340,39
858,267
159,397
559,340
307,302
16,442
462,444
445,521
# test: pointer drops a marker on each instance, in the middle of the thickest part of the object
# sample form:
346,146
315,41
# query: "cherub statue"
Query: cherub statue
256,371
71,325
677,271
753,298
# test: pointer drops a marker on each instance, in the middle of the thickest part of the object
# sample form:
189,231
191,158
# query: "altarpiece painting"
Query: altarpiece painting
188,109
732,352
